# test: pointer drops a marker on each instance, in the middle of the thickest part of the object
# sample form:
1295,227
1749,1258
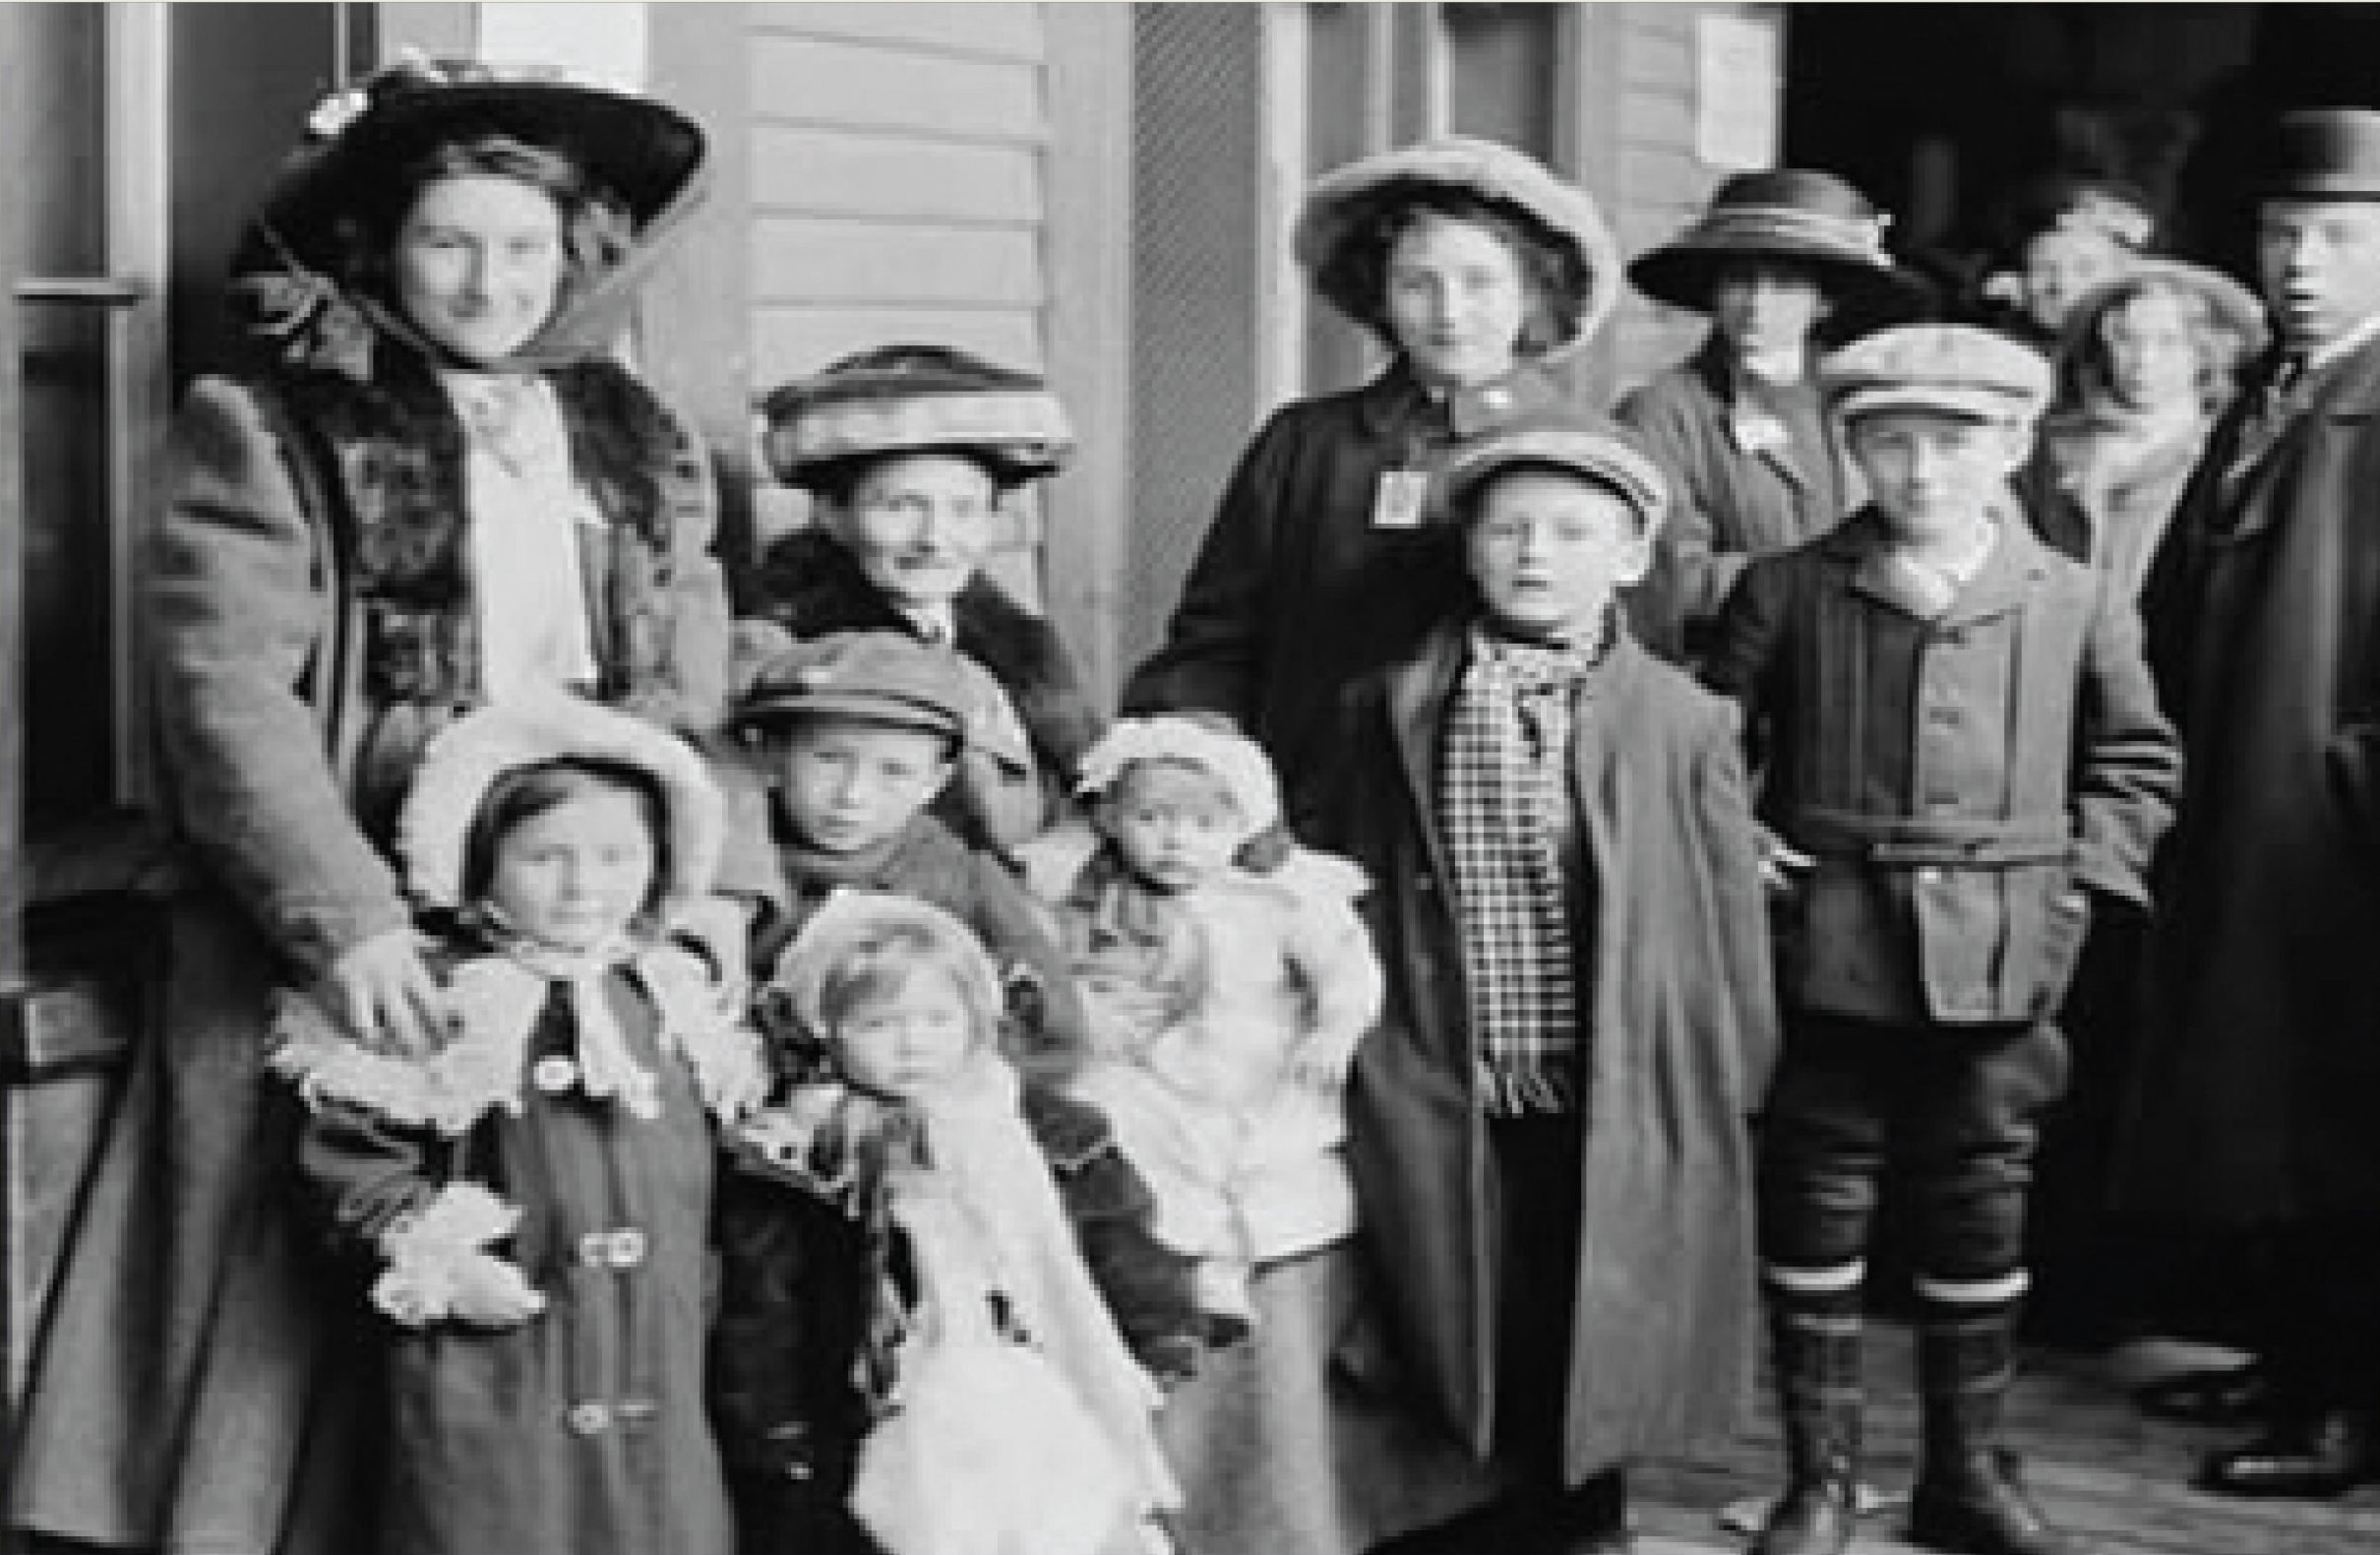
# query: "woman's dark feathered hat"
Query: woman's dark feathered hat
644,153
1789,215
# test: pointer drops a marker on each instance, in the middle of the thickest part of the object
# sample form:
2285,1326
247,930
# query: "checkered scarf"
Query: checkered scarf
1504,807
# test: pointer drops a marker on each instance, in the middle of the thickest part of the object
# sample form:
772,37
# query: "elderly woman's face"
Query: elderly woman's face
1457,302
2151,354
919,526
478,265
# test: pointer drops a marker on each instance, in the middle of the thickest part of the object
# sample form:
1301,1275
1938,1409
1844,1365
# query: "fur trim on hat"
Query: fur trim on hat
465,760
1339,203
1233,760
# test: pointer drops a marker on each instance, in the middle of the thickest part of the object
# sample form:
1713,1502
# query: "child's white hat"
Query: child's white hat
849,920
1236,762
461,765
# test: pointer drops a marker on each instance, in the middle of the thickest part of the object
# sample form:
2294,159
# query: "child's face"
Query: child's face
1936,477
1548,549
577,874
846,784
919,526
911,1040
2152,356
1174,824
2062,264
1457,302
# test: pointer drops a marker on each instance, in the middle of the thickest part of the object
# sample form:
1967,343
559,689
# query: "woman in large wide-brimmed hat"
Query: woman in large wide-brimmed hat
910,454
436,489
1474,267
1739,426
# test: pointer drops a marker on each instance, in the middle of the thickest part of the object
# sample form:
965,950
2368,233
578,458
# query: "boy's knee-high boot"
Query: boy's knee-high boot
1967,1497
1814,1343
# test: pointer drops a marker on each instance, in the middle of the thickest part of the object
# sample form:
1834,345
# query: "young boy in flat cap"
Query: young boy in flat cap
1962,753
856,733
1547,1128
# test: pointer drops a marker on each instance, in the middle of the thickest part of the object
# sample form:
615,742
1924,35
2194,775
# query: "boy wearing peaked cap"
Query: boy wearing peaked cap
855,735
1569,911
1962,755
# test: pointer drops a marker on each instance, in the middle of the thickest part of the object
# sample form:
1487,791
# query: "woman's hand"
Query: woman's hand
386,995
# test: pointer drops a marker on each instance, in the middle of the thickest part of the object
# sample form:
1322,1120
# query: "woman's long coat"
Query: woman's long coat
1683,1035
182,1386
2259,1071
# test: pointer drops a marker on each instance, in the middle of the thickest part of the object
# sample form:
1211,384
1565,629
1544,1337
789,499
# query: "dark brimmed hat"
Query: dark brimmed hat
1595,450
878,677
1340,204
1811,219
2322,153
914,398
644,153
1946,369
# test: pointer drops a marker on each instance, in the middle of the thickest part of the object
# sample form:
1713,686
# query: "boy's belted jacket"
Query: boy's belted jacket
1675,952
1957,778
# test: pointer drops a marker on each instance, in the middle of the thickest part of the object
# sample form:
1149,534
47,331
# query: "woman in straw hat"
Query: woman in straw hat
1475,268
442,491
1738,427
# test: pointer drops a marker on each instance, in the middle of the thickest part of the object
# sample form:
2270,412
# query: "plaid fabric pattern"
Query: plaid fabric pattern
1503,807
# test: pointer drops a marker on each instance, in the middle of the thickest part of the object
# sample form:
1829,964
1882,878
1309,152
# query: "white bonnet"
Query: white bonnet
1234,759
465,758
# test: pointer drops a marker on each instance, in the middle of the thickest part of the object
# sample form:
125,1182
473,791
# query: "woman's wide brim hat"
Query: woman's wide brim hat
1787,216
644,153
2232,307
2322,153
914,398
464,761
1341,205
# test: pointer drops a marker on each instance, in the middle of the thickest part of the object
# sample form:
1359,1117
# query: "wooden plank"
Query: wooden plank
1009,31
840,172
867,85
809,260
788,342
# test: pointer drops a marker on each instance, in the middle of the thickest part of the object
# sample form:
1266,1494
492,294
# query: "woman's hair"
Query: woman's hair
523,793
1552,272
886,960
2218,347
596,228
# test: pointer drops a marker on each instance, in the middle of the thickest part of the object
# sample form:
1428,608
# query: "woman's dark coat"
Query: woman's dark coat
1683,1034
1296,591
2258,1079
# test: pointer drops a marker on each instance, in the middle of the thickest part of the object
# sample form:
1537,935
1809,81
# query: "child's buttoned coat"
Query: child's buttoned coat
1957,778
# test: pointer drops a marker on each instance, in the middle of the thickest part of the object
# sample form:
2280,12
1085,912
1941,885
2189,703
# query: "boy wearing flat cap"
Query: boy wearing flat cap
1963,754
2259,1068
856,733
1580,1013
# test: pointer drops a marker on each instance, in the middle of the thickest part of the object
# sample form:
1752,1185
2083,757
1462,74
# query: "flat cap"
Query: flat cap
1951,369
881,677
1595,450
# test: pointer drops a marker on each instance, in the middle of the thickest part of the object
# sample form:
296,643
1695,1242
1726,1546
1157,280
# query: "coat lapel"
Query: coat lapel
1419,690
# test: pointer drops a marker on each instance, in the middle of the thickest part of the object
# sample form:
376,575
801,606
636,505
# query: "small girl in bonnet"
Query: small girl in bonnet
530,1201
1225,1006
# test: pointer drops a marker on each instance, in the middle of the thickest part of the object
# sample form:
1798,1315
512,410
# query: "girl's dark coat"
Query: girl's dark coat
1684,1032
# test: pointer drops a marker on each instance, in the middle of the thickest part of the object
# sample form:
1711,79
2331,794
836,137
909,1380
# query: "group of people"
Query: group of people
628,1076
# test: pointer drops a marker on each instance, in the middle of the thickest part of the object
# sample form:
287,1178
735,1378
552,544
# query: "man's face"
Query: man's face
2320,264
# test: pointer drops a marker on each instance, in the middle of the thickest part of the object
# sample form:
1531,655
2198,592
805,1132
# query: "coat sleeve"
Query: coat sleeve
1146,1286
1331,951
1747,647
2127,761
1723,809
1017,931
359,1175
240,603
1219,643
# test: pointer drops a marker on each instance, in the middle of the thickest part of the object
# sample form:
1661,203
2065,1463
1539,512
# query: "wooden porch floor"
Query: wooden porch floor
2099,1467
